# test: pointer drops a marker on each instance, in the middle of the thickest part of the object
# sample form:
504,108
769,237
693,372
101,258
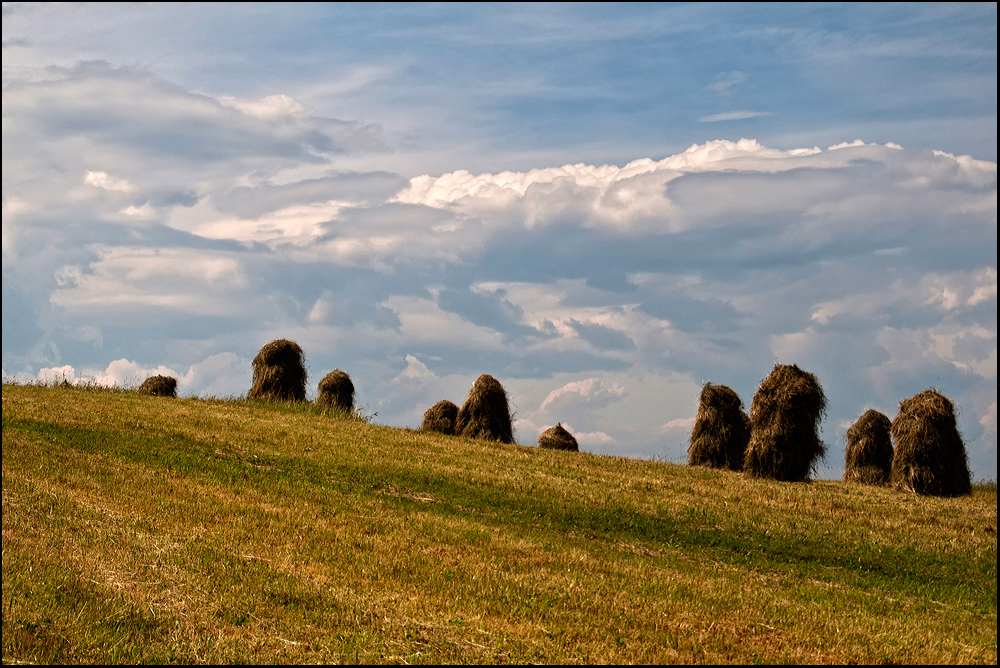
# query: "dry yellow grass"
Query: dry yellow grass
203,531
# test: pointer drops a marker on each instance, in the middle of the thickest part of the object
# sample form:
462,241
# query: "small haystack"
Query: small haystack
868,458
441,417
784,419
336,391
557,438
485,413
279,372
159,386
721,430
930,456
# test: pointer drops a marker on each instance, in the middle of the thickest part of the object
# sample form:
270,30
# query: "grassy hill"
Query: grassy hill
144,529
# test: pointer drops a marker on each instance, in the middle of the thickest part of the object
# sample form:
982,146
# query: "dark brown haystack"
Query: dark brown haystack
868,458
485,413
279,373
930,455
557,438
441,417
337,391
721,430
159,386
784,418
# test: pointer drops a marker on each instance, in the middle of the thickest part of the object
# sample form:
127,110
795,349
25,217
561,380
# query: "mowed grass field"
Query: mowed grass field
145,529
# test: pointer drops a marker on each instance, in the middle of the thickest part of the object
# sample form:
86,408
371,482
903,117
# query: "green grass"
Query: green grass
145,529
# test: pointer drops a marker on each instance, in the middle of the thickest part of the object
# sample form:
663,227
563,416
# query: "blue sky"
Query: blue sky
604,206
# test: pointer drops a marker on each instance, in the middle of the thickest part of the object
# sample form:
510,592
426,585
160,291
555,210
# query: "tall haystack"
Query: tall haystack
557,438
159,386
441,417
279,372
784,419
930,455
868,458
485,413
721,429
336,391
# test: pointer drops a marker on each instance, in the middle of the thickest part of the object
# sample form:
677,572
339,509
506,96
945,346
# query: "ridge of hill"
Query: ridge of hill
147,529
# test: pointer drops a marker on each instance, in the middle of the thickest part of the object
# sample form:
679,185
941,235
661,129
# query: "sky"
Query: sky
603,206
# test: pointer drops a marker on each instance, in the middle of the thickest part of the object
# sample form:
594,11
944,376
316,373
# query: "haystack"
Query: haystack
557,438
159,386
441,417
868,458
930,456
721,429
337,391
485,413
784,418
279,373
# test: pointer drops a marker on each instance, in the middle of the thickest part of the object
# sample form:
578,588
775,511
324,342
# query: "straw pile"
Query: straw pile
485,413
868,458
557,438
721,429
930,456
159,386
784,418
279,372
336,391
441,417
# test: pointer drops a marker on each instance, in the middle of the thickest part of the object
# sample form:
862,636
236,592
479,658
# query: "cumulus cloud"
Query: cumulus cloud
592,391
415,370
119,373
507,187
723,184
220,375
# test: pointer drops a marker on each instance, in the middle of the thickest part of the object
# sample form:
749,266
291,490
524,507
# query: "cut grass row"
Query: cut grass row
145,529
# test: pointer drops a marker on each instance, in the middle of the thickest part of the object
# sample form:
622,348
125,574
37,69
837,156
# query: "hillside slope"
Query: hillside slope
145,529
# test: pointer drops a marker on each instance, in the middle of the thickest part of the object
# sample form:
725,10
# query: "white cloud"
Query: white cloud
685,424
911,351
594,439
219,375
183,280
507,187
61,374
415,370
944,292
844,144
103,180
268,108
720,183
299,224
590,390
144,212
126,373
740,115
725,81
989,419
